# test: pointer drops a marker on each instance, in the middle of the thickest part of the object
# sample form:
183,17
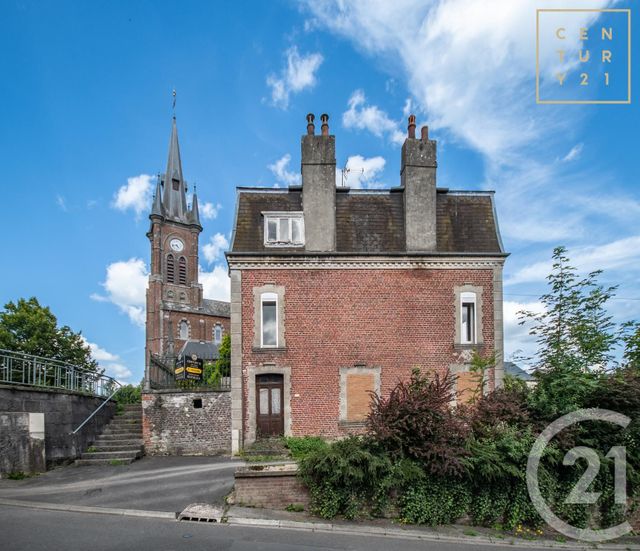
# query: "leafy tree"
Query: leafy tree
574,329
214,371
27,326
576,338
631,338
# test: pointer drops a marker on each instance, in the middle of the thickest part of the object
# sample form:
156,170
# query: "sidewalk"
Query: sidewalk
471,535
165,484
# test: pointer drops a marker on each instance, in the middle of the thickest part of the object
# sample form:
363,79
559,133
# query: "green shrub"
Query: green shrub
302,446
343,478
129,394
435,501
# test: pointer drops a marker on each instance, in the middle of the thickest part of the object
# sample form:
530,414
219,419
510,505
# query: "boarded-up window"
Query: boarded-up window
359,386
469,385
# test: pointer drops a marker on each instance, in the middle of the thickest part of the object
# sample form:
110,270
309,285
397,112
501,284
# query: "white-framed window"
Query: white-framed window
217,333
269,320
283,229
468,313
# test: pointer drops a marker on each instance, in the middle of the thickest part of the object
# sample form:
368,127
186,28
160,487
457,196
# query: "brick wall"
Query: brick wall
273,490
173,425
395,319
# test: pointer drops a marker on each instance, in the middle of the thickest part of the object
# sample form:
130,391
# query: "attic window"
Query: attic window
283,229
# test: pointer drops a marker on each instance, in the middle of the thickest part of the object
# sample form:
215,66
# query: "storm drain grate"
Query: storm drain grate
201,512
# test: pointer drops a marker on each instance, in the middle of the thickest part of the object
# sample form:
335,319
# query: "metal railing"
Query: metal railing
162,376
17,368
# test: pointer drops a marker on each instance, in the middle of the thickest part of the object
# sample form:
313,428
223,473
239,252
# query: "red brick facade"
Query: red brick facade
394,319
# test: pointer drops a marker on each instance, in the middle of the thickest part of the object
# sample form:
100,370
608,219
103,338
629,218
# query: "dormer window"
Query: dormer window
283,229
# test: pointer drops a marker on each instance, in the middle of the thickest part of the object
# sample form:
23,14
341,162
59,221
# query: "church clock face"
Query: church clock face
176,245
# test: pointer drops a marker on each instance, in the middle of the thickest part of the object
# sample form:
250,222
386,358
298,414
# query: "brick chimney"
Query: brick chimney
418,177
319,187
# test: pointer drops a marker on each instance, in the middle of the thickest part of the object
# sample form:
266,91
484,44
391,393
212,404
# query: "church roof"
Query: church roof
372,221
206,350
216,308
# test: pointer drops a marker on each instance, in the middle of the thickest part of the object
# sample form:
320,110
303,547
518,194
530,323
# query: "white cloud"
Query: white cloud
361,172
517,338
119,372
109,362
209,211
62,203
216,283
371,118
281,172
125,286
621,253
215,247
299,73
134,195
574,154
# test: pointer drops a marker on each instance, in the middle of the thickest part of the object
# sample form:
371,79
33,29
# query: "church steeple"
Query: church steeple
174,196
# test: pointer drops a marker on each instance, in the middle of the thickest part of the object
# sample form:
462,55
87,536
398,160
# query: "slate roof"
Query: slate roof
205,350
216,308
512,369
372,221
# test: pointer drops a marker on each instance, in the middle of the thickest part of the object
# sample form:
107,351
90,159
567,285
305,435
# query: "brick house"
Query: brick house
179,320
336,292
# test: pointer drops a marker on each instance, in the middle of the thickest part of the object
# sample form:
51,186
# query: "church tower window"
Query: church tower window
182,271
171,269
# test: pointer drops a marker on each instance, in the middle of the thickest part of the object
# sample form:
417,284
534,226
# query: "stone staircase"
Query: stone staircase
120,441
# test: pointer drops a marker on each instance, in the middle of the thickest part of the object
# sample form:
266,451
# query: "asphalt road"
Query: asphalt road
38,530
152,483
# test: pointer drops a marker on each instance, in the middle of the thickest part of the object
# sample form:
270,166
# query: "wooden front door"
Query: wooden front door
269,404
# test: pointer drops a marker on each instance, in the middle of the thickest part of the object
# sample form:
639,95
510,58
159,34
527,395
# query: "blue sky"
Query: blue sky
86,109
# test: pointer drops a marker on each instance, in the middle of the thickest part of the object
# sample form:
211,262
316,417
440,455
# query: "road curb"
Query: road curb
418,535
87,509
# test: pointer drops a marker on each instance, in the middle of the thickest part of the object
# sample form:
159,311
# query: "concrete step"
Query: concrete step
124,424
112,443
121,436
127,454
115,447
81,462
127,428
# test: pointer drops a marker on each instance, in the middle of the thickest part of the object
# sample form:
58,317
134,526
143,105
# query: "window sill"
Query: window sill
352,424
267,349
468,346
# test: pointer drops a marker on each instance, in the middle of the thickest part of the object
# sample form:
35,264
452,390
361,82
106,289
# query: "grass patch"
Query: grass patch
295,508
116,462
19,475
92,449
469,532
301,446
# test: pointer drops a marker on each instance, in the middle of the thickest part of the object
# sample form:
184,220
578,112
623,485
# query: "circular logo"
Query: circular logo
579,494
194,357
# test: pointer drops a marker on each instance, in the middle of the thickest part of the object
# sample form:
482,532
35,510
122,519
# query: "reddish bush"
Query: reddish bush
417,421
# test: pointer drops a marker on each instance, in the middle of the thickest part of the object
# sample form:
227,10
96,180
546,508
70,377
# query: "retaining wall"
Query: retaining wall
63,412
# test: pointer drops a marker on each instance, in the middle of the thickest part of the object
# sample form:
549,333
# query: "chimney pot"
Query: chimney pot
411,129
424,133
311,128
325,124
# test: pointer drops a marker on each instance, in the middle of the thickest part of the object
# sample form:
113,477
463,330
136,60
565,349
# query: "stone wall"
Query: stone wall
63,412
22,442
175,422
270,487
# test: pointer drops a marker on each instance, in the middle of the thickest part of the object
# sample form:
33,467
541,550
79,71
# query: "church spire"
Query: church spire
157,208
174,197
194,214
